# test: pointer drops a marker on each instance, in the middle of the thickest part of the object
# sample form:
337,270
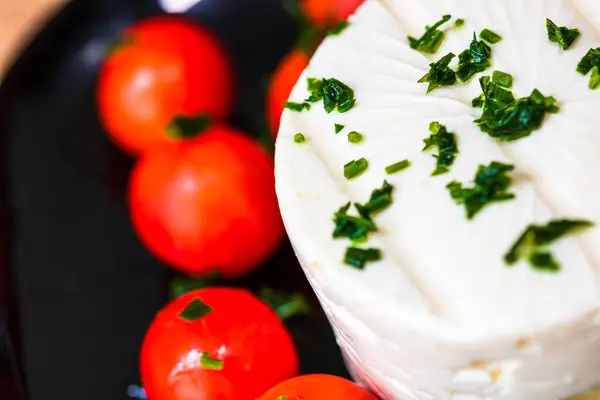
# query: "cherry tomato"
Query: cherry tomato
164,67
317,387
282,82
207,204
216,344
327,13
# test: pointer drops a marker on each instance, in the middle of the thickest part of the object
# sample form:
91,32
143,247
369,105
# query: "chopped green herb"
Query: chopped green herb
533,242
440,74
474,60
355,168
287,305
184,127
356,229
358,258
355,137
195,310
297,107
459,22
491,185
299,138
282,398
595,79
338,128
564,36
339,28
507,119
379,201
432,39
207,362
334,93
587,64
490,37
503,79
447,147
397,167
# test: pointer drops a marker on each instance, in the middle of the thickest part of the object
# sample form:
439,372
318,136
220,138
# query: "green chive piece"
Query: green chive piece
358,258
476,59
354,228
503,79
397,167
595,79
195,310
338,128
440,74
339,28
355,137
299,138
355,168
334,93
563,36
491,185
208,362
296,107
282,398
380,200
459,23
432,39
184,127
532,243
447,147
490,37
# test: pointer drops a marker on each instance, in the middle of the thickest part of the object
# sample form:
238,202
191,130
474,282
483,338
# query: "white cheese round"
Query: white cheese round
441,316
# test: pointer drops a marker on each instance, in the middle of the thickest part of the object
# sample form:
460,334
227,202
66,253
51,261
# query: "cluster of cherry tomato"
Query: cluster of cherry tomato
202,200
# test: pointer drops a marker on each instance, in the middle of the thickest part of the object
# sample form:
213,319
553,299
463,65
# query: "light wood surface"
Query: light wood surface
19,19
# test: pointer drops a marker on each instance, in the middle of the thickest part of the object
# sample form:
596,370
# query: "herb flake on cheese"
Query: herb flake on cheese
432,39
296,107
562,35
397,167
490,36
299,138
491,185
354,228
476,59
358,258
533,242
335,94
506,118
459,23
380,200
338,128
440,74
446,144
355,137
355,168
591,62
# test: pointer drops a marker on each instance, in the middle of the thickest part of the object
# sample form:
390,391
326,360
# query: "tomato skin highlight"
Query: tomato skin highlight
327,13
256,349
207,204
282,82
166,66
318,387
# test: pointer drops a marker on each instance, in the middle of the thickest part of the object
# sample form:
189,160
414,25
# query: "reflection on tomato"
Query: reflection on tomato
327,13
216,344
317,387
163,67
207,204
282,82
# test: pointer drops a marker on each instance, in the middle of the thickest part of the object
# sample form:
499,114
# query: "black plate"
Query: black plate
83,289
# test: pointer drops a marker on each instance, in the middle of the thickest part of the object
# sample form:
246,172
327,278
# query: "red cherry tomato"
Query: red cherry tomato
317,387
166,66
327,13
207,204
234,352
282,82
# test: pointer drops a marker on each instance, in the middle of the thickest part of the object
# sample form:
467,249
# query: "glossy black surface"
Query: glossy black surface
83,289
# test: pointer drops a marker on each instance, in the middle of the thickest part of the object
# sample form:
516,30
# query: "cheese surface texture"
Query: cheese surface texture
441,315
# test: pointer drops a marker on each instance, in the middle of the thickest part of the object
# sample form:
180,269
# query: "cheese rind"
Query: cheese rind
442,316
